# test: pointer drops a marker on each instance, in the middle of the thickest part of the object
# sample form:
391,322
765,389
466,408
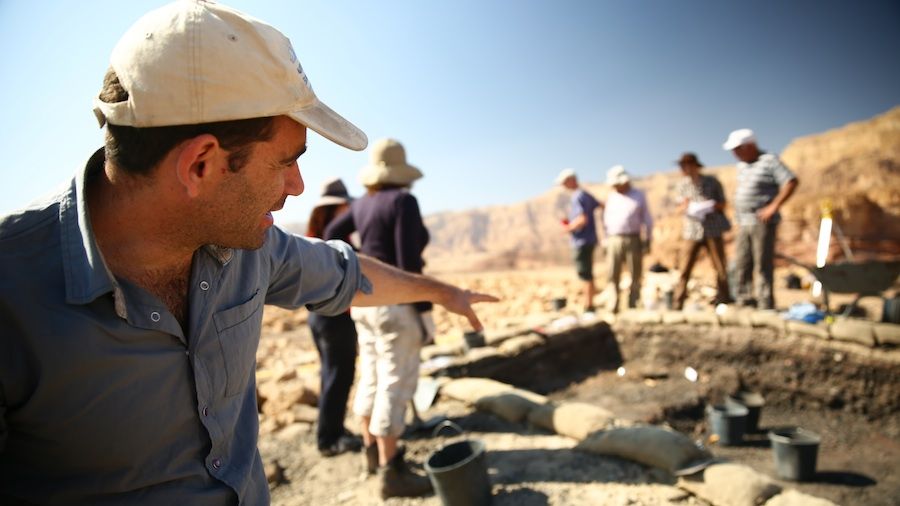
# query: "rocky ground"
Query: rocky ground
528,466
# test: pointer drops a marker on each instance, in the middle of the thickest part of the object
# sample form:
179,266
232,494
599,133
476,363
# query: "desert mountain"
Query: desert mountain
856,168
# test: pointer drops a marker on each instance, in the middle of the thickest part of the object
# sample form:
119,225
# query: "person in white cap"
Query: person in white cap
131,301
391,229
764,184
629,233
581,225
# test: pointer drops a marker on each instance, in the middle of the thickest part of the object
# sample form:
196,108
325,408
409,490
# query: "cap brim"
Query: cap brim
331,125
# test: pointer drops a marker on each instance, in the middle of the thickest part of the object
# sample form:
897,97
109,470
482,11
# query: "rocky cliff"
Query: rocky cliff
856,168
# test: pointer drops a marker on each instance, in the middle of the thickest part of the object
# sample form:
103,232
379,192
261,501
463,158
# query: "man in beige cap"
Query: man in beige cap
764,184
131,301
391,229
629,233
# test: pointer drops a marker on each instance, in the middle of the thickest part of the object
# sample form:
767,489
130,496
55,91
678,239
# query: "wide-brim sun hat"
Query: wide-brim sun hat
193,62
387,165
333,193
616,175
689,157
739,137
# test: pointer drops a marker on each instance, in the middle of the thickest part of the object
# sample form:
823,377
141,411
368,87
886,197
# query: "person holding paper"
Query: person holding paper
703,203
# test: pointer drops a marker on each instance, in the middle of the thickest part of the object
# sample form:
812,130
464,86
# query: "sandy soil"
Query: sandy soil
858,457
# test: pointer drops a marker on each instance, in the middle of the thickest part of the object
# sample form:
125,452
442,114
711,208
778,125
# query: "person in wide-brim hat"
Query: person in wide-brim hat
387,166
391,229
333,193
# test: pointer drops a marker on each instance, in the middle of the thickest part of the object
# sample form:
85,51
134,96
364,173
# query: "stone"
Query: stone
793,497
732,485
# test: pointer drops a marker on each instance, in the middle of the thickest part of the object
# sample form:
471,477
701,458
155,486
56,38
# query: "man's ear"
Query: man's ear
196,162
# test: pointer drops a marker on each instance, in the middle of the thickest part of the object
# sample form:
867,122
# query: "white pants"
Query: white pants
390,338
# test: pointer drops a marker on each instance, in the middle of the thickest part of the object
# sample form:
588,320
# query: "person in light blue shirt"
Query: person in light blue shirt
131,301
582,228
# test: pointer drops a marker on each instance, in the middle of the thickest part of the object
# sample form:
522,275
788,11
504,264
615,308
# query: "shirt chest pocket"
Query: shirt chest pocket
238,331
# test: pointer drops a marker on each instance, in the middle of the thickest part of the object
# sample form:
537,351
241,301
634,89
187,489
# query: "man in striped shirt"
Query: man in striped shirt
764,184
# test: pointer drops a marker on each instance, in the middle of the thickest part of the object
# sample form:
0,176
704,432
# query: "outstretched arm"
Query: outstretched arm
394,286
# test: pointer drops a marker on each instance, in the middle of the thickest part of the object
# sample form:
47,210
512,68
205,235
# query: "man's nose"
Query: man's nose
293,183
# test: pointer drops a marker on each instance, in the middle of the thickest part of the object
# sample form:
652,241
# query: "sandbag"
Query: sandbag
732,485
573,419
796,498
515,345
510,406
650,445
469,390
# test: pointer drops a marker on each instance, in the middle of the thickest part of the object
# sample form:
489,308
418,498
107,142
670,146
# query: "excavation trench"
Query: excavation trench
848,394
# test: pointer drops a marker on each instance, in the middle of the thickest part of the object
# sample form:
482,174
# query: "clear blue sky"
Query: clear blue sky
491,97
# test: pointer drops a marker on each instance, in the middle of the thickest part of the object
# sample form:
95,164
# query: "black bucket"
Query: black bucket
728,422
754,403
459,474
473,339
795,450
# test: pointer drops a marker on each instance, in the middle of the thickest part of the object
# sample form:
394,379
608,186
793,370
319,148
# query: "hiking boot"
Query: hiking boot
372,459
397,480
345,443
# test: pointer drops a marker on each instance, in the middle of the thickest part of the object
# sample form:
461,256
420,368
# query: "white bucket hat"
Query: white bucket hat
387,165
616,175
564,174
333,192
195,61
739,138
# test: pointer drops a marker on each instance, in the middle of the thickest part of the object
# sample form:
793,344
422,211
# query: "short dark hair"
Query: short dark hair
138,150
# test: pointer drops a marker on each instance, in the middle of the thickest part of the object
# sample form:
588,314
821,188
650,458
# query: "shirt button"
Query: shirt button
217,463
205,411
154,316
204,286
187,352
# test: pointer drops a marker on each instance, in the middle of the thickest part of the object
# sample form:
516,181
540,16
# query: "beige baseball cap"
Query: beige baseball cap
196,61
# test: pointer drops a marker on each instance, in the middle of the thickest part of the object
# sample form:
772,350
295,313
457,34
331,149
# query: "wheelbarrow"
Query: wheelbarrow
869,278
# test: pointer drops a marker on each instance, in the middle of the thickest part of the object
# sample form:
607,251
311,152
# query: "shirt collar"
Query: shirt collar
86,273
87,276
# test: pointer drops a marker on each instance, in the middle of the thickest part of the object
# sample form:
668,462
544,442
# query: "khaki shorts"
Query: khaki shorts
390,338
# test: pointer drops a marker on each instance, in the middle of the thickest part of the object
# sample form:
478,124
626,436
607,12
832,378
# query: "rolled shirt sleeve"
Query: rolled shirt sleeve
323,276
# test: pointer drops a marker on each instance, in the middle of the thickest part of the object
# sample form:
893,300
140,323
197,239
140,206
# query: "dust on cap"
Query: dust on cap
196,61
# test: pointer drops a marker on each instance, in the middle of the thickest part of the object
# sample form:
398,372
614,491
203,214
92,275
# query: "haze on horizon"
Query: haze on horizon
491,99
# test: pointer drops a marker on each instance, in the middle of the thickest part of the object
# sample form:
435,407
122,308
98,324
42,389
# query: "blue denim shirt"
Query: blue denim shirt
104,399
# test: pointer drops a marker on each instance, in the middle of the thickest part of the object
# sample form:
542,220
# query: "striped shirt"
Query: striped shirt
757,184
714,223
